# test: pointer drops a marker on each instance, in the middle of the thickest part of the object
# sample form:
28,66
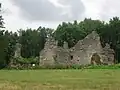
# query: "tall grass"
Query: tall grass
70,79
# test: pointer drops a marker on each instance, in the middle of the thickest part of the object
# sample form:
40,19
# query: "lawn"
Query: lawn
92,79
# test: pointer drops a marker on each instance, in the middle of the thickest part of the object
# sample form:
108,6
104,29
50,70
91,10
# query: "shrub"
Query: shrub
31,60
74,66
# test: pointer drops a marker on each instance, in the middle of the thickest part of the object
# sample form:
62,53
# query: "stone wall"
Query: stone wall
85,48
108,54
47,55
86,51
17,55
17,50
54,55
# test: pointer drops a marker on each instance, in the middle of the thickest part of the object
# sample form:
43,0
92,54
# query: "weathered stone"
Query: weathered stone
17,55
109,53
17,51
86,48
47,55
86,51
65,45
62,56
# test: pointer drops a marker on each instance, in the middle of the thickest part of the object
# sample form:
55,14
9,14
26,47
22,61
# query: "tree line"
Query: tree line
33,40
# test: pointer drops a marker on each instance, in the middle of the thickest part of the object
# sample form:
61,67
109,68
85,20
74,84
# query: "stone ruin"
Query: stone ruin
86,51
17,54
17,50
17,58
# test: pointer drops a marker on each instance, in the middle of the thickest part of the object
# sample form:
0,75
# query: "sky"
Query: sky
22,14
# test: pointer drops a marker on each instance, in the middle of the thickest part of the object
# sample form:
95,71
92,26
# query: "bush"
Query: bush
31,60
75,66
103,67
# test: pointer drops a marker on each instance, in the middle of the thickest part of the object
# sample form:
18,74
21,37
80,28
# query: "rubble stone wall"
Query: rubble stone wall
82,53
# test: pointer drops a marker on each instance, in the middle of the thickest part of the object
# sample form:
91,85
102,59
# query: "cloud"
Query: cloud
50,10
102,9
109,9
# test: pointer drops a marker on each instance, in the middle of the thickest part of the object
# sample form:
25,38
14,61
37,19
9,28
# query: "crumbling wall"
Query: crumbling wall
86,51
47,55
108,53
17,55
17,50
53,54
62,56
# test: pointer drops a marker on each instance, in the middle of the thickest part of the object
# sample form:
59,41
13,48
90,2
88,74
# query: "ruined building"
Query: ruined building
86,51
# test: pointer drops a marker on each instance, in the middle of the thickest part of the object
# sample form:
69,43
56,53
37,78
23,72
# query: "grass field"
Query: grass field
60,79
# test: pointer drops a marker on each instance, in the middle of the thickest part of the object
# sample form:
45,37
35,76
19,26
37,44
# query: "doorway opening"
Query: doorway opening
95,59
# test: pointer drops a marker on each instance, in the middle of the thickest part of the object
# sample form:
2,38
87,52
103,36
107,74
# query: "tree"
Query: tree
73,32
12,39
1,19
33,41
89,25
114,36
3,42
110,33
68,32
28,39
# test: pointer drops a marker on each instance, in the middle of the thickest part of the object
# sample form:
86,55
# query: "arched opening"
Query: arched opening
95,59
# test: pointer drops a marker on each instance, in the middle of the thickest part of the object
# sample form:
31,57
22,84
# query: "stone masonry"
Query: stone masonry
86,51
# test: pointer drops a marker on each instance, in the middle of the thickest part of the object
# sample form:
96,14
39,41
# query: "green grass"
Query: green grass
86,79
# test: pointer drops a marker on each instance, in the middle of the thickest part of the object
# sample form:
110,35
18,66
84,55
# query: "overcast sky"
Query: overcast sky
49,13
